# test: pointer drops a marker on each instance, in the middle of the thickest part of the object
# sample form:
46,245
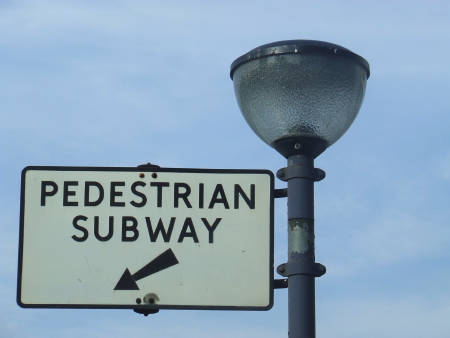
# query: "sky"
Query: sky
115,83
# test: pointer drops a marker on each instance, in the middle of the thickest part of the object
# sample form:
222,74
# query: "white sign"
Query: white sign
146,238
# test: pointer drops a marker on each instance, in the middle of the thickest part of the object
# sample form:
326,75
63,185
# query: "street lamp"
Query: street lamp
300,96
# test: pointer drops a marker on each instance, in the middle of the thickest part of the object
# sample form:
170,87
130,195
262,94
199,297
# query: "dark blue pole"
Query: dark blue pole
301,268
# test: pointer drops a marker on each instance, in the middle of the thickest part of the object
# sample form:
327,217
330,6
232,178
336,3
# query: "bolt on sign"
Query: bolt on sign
164,238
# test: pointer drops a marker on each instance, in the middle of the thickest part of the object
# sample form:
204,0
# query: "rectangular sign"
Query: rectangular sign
142,238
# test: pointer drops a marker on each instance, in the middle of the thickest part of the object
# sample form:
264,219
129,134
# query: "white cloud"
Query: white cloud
173,330
399,236
392,238
443,167
411,317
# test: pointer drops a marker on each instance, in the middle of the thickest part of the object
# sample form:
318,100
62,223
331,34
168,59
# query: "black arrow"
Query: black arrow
163,261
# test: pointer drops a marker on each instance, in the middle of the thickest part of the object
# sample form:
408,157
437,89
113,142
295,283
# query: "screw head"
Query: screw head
281,269
318,174
281,174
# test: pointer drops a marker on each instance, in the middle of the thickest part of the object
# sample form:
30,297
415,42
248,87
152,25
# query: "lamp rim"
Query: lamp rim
297,47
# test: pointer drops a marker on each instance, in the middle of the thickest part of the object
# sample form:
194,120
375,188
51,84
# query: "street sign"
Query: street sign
144,238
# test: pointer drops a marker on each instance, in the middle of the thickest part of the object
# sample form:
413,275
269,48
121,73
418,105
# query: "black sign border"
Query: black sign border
149,170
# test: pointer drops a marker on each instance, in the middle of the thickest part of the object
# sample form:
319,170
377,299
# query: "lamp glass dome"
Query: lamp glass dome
300,92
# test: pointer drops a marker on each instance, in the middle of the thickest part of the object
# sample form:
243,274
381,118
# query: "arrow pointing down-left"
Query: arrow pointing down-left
163,261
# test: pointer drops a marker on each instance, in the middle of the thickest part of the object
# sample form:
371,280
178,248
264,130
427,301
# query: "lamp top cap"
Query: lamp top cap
297,47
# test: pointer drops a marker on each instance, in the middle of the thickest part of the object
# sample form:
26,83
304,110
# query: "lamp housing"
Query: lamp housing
299,96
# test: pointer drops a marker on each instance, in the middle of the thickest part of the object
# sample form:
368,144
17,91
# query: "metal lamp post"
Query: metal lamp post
300,96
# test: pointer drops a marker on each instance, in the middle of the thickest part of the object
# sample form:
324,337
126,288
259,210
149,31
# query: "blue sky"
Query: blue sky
111,83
